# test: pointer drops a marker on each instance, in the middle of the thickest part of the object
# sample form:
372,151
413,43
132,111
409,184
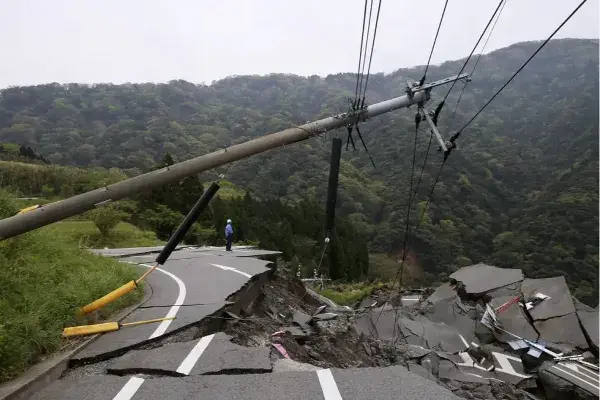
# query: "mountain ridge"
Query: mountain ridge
537,142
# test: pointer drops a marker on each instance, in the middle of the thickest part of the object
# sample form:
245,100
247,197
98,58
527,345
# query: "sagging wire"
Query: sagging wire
358,103
422,81
475,66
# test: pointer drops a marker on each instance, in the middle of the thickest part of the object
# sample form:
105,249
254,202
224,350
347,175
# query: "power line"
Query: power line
371,56
362,38
454,137
475,66
433,46
364,59
489,36
474,47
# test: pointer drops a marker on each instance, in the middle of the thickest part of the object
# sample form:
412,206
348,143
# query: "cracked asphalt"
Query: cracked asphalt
178,360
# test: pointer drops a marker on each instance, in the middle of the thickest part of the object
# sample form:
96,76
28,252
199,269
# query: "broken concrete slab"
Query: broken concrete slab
414,351
301,318
589,320
454,313
568,381
563,331
296,331
448,370
325,317
421,371
560,302
513,319
481,278
514,289
424,332
287,364
219,356
444,292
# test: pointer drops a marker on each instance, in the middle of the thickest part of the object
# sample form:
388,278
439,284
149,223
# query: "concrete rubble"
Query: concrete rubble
291,332
447,329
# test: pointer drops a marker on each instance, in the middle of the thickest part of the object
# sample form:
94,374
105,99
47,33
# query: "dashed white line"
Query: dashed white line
192,358
127,392
328,385
226,268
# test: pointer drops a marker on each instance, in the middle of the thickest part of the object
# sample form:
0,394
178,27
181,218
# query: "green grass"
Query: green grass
86,234
45,277
348,294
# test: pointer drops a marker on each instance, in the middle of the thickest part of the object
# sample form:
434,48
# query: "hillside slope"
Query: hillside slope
522,189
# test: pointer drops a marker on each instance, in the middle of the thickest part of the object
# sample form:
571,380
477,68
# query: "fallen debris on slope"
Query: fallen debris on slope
451,321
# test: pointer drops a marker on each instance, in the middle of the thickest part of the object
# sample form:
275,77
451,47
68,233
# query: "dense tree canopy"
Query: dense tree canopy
520,191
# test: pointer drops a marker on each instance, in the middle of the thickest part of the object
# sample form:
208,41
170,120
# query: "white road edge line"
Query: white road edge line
127,392
328,385
226,268
164,325
192,358
134,383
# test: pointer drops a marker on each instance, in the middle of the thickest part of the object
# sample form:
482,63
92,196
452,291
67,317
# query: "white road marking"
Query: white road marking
558,367
463,340
164,325
192,358
134,383
328,385
130,388
226,268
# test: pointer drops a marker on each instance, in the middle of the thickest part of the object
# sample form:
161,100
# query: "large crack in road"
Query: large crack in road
246,331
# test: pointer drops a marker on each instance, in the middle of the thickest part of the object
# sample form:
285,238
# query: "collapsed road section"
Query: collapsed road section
252,342
275,339
492,324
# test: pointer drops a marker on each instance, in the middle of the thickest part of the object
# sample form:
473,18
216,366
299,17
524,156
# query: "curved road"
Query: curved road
192,285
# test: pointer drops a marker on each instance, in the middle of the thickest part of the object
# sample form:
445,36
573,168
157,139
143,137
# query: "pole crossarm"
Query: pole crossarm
49,213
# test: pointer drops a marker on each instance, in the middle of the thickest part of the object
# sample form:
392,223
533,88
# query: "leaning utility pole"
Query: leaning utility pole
62,209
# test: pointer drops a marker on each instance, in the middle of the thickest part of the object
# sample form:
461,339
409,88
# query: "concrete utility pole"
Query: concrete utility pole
62,209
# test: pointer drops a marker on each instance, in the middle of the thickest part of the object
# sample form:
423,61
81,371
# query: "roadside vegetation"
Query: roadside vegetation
44,278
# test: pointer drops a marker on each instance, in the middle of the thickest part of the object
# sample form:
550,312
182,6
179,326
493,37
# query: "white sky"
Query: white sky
90,41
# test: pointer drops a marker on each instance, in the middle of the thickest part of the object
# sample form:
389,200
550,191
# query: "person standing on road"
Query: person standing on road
228,235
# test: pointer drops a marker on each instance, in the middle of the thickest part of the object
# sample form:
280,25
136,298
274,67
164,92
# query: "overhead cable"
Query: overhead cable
433,46
371,56
475,66
364,57
474,47
454,137
362,38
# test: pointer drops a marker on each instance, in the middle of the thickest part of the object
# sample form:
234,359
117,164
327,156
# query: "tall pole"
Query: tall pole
62,209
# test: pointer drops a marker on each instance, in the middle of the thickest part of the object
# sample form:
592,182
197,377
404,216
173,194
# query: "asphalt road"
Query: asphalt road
189,289
336,384
193,284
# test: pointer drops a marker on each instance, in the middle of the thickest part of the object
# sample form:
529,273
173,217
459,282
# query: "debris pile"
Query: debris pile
490,325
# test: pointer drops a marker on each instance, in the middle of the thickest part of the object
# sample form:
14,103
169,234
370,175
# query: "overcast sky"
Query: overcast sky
117,41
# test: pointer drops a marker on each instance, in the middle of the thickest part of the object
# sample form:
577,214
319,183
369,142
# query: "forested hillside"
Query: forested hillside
520,191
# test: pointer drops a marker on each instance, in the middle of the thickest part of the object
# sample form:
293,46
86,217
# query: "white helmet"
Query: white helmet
228,221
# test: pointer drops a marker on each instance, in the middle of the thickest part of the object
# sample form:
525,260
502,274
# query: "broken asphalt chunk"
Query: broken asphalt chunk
481,278
219,356
560,301
325,317
301,318
588,317
514,320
